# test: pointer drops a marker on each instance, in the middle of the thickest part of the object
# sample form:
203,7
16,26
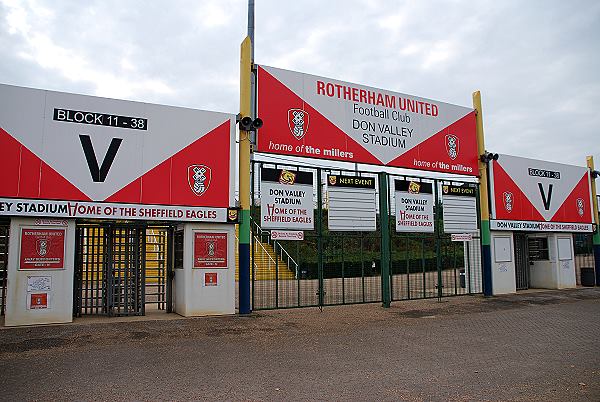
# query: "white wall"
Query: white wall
192,296
565,261
503,263
60,295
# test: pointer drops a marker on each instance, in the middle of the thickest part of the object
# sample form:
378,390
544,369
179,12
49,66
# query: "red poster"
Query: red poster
210,250
42,248
210,279
39,300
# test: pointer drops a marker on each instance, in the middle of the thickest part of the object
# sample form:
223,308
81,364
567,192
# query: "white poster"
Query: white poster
352,203
286,199
414,206
459,205
39,283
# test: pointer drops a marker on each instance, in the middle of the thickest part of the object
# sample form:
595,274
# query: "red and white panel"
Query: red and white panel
318,117
531,194
60,146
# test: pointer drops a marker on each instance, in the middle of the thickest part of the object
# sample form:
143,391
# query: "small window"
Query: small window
538,249
178,249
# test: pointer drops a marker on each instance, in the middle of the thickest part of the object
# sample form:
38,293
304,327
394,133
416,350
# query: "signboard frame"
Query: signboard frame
415,201
286,199
363,124
536,195
67,153
210,250
354,201
42,243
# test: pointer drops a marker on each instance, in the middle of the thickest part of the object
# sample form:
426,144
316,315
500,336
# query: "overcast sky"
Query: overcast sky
536,63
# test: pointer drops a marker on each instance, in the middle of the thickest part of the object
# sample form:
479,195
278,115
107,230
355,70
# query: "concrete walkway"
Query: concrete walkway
531,346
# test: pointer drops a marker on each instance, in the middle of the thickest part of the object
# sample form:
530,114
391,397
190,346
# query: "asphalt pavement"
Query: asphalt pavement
532,346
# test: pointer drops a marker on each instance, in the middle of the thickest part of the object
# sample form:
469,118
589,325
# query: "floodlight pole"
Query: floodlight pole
247,108
596,238
486,236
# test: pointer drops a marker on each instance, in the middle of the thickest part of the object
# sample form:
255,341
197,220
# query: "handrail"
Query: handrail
288,258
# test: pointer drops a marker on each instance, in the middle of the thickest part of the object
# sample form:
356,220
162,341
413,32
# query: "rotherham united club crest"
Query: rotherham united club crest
580,207
507,197
298,120
452,146
41,246
199,177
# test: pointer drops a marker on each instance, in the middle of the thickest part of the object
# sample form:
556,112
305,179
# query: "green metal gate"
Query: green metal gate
335,267
427,265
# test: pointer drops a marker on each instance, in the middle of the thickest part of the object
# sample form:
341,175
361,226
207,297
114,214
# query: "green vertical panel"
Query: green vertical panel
320,236
384,219
438,237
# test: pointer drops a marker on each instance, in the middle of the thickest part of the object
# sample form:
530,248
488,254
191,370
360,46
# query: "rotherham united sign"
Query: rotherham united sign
60,147
318,117
534,195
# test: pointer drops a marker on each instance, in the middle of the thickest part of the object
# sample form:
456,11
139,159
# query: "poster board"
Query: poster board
542,196
459,209
414,206
319,117
503,249
76,156
352,203
565,248
42,248
210,250
286,199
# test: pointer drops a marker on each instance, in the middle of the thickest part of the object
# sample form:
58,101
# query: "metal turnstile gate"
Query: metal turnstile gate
121,269
521,261
125,271
4,236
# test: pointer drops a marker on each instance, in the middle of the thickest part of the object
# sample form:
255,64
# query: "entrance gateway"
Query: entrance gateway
354,235
537,207
114,208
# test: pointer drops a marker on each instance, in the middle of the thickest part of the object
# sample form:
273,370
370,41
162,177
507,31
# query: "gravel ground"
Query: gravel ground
531,346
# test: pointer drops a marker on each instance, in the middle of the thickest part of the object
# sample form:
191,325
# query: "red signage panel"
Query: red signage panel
318,117
88,150
38,301
42,248
530,194
210,250
210,279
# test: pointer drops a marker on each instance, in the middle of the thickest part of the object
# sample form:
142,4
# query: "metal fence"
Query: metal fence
4,240
344,267
584,253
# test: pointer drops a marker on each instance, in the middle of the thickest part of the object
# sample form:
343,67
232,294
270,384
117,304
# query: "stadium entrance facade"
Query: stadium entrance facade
113,207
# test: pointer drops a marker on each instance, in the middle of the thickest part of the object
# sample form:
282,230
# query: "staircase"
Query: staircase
268,265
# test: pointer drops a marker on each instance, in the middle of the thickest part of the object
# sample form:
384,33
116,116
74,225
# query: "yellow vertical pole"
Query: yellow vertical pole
244,179
596,239
486,252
